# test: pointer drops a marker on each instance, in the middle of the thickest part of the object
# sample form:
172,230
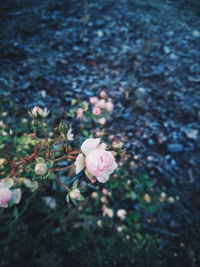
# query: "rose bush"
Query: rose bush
35,158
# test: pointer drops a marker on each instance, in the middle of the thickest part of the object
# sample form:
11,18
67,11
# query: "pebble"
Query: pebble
174,148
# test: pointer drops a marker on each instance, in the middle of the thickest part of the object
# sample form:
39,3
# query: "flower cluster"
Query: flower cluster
101,107
42,156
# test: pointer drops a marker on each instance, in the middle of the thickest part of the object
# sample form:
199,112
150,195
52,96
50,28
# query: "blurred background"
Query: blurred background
145,55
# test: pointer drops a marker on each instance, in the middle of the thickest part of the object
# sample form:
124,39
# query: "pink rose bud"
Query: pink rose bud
101,103
79,112
93,100
103,94
96,111
75,194
105,191
5,196
102,121
109,106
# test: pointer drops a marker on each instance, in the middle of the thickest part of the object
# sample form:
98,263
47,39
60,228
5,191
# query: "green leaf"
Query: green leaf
51,176
49,164
40,160
75,185
74,202
16,213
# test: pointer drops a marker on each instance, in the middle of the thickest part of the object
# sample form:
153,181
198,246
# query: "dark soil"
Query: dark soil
145,54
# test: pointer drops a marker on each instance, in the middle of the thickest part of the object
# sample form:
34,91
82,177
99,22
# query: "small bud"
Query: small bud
75,194
94,195
102,121
121,213
38,112
79,112
120,229
147,198
63,128
103,94
171,200
117,145
40,168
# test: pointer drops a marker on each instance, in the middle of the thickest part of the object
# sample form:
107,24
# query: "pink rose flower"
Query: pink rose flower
7,194
98,162
79,112
101,104
93,100
96,111
109,106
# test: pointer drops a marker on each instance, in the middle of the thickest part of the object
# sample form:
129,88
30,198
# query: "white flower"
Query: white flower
120,229
98,162
107,211
40,168
102,121
38,112
121,213
94,195
70,135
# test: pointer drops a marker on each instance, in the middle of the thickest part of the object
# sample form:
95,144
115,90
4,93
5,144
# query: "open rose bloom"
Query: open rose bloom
97,162
7,194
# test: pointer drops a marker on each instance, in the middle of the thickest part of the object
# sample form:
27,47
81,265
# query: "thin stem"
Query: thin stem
64,168
63,157
45,133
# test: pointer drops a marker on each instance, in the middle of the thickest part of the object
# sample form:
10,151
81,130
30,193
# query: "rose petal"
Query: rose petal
104,178
102,146
89,145
80,163
7,182
16,195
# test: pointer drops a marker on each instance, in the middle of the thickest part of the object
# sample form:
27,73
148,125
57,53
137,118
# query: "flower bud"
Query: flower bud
171,200
117,145
147,198
103,94
79,112
121,213
38,112
102,121
40,168
75,194
94,195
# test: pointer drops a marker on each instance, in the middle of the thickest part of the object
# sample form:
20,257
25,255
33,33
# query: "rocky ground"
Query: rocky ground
145,54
